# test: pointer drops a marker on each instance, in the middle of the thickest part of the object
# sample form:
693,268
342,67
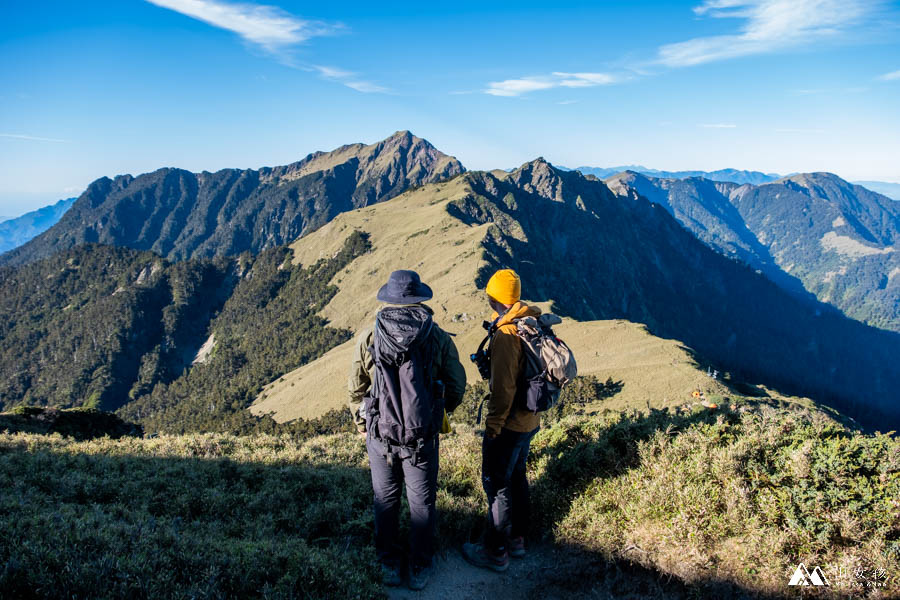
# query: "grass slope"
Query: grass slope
416,231
673,504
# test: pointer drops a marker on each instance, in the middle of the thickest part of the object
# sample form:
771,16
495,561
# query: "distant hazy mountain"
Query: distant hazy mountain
17,231
732,175
891,190
838,240
179,214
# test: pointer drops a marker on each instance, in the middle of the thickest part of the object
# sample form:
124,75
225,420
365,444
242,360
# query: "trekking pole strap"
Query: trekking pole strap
480,407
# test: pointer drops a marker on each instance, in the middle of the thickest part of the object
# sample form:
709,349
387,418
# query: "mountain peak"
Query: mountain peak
403,134
265,207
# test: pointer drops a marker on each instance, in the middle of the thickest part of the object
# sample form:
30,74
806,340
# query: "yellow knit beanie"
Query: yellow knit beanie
504,286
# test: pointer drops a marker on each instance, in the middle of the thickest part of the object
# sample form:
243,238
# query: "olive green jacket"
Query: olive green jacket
447,368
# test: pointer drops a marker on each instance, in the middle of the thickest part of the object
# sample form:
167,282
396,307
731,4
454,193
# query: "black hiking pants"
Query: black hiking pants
388,478
506,485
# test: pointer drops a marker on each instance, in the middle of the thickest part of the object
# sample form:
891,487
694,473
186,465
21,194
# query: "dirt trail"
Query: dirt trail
455,579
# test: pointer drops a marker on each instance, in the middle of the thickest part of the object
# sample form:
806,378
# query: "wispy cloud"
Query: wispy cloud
717,125
892,76
268,27
32,138
795,130
272,29
769,25
564,102
523,85
348,78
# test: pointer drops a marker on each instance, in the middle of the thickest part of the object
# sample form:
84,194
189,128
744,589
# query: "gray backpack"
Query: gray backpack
549,363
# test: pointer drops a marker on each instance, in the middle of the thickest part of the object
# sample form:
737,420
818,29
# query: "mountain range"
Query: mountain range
194,301
592,256
811,233
891,190
16,231
732,175
739,176
178,214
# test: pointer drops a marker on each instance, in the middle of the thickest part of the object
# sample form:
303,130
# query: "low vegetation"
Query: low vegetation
717,503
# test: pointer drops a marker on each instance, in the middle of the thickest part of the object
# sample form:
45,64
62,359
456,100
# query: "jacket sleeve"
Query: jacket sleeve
359,380
506,352
451,372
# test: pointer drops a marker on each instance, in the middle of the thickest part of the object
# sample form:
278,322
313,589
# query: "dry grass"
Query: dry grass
725,503
653,371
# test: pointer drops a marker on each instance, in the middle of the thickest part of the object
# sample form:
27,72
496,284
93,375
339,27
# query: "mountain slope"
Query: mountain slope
885,188
90,326
664,506
179,214
181,346
15,232
810,233
417,231
589,254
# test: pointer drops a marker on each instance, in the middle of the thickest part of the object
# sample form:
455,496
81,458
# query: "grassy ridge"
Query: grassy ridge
727,502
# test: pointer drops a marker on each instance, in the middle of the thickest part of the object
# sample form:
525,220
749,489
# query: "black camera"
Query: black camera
482,360
482,356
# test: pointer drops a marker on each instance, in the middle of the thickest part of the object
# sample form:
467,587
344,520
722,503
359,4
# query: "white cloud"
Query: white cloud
32,138
349,79
564,102
793,130
272,29
584,79
517,87
514,87
892,76
266,26
769,25
718,125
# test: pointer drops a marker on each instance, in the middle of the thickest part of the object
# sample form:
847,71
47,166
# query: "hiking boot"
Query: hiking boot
479,556
517,547
418,578
391,576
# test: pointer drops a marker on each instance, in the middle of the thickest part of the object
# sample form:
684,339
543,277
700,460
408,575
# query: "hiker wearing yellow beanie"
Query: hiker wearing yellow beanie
509,427
504,286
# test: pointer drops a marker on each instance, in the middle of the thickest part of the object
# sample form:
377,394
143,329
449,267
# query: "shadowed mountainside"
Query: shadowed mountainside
812,234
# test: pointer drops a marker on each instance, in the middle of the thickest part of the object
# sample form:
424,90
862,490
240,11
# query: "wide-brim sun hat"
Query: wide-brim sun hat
404,287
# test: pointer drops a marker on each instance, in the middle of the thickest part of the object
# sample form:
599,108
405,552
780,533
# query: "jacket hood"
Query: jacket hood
399,328
517,311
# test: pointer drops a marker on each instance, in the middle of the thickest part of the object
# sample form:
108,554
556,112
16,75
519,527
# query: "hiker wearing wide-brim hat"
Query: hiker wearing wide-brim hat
405,373
404,287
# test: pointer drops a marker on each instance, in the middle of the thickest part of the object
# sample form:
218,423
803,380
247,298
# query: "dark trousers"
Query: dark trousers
388,478
506,485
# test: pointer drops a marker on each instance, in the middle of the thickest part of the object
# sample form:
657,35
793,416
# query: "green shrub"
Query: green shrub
723,503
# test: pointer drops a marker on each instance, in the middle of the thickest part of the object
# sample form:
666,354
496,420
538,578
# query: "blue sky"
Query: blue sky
100,88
